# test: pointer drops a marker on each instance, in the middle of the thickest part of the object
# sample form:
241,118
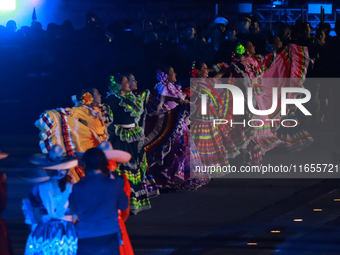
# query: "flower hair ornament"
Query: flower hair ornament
240,49
161,76
233,58
194,72
87,98
114,87
112,165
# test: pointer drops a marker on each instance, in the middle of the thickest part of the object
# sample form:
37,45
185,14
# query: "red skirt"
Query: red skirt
125,248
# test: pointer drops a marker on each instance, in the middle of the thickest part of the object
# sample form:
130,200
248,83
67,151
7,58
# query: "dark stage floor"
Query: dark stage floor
227,217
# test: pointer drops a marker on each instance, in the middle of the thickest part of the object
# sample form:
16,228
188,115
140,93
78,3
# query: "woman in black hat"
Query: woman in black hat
47,207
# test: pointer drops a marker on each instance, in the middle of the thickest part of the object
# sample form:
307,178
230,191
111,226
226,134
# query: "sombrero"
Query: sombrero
34,174
3,155
54,160
115,155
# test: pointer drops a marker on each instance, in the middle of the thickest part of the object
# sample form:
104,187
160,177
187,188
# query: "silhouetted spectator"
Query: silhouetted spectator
66,30
11,26
216,37
221,23
230,33
264,45
326,27
163,34
146,26
244,25
276,43
283,31
255,26
301,33
93,51
38,38
11,37
227,46
190,49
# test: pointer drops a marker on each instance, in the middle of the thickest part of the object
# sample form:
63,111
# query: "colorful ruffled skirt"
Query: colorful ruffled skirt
131,140
52,238
57,127
265,137
288,69
171,151
294,136
239,137
226,139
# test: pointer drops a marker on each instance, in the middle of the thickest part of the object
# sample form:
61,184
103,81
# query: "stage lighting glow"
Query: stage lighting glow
275,231
332,33
245,7
278,2
316,8
7,5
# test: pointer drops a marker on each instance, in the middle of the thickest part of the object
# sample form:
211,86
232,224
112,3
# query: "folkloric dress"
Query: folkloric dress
170,148
286,69
217,143
239,78
127,134
56,233
290,63
266,139
76,129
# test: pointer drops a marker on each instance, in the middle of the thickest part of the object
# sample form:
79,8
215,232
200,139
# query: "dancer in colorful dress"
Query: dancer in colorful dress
47,207
151,185
170,148
127,134
285,69
254,69
294,59
216,143
76,129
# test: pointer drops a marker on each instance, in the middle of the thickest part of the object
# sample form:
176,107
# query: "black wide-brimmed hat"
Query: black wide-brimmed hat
34,174
54,160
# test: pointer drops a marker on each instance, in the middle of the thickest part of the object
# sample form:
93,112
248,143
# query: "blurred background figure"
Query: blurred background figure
5,246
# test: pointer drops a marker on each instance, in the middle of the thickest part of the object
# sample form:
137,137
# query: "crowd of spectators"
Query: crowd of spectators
89,55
